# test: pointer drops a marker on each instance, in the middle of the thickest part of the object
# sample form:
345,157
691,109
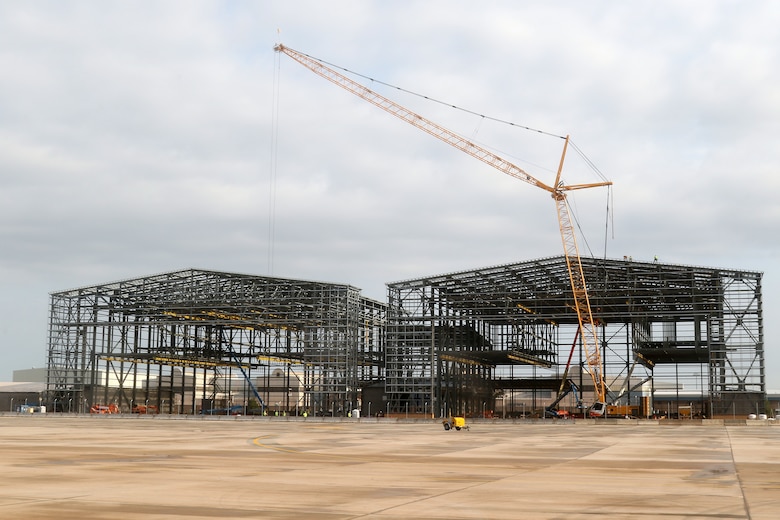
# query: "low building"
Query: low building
16,394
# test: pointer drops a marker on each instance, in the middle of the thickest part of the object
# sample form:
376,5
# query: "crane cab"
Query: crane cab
598,409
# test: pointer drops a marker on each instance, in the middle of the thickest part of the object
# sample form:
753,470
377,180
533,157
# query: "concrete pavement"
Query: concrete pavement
101,467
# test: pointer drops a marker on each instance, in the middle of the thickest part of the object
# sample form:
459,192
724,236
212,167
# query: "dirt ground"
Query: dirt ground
156,467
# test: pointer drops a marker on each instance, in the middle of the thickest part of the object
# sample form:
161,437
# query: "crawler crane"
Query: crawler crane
558,191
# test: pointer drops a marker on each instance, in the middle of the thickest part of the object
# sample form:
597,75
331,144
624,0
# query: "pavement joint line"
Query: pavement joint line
476,484
257,442
28,500
739,477
423,499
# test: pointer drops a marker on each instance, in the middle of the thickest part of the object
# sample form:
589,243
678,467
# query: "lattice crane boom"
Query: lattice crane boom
587,323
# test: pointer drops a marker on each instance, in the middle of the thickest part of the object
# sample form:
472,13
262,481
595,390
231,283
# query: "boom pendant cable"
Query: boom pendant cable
585,158
422,96
272,176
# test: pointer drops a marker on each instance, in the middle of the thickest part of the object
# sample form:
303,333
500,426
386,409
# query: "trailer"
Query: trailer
458,423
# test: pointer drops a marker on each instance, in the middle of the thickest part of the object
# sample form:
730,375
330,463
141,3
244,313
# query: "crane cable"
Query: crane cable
423,96
609,219
584,157
272,176
461,109
608,224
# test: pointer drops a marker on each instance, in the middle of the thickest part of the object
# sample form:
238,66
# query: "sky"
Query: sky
144,137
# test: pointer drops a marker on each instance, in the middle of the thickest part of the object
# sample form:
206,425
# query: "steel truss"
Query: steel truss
183,339
458,341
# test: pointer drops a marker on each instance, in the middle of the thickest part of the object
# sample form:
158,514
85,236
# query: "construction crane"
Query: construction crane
558,191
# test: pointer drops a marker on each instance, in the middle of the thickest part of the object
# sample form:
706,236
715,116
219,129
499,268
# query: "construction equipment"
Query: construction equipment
558,191
103,409
552,409
626,410
145,409
457,423
246,378
236,409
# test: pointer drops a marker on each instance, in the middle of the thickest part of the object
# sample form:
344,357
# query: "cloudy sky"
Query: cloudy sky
144,137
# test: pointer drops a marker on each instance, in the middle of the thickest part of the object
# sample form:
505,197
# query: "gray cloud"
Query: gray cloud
138,137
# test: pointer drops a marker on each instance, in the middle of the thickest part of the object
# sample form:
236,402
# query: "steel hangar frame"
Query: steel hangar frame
182,339
458,342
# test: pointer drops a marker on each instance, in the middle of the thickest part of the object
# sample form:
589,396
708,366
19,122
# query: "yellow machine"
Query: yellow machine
622,411
459,423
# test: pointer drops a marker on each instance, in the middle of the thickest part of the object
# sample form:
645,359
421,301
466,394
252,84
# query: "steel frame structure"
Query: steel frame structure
449,343
175,340
458,341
